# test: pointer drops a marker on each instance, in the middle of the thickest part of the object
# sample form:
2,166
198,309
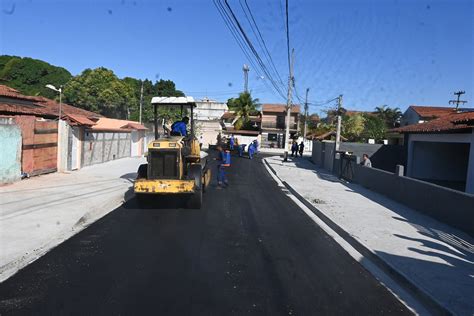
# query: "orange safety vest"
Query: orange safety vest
226,159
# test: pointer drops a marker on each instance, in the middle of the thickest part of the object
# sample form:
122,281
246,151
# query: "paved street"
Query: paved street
250,250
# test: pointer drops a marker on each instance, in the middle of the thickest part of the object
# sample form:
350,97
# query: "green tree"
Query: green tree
30,76
162,88
375,128
100,90
391,116
148,93
244,106
167,88
353,126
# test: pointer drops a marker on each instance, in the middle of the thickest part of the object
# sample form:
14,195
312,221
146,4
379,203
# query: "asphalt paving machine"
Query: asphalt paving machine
175,164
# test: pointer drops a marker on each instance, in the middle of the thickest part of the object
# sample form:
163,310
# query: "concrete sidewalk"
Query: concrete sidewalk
37,214
434,258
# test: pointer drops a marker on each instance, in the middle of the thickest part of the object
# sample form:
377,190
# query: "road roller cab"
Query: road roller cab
175,164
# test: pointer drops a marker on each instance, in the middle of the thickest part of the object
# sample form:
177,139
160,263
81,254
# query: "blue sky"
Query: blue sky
374,52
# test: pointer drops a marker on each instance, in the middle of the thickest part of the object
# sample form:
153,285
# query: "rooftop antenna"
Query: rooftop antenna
457,102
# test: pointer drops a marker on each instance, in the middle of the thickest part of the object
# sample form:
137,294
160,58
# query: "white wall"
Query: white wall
209,131
209,110
63,142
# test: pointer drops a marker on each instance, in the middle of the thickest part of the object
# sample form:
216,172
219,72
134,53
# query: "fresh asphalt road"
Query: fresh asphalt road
249,250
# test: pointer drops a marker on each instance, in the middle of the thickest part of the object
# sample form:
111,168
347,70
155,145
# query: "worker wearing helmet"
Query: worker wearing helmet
179,128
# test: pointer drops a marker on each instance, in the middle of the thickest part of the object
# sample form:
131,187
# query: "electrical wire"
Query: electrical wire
237,36
261,42
244,42
253,50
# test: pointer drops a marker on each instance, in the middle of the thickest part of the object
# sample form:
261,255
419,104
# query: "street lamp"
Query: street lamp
60,90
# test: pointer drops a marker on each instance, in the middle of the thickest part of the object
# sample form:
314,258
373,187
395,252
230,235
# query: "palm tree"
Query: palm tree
244,106
391,116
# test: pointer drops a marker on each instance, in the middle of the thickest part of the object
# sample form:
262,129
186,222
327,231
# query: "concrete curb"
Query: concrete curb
11,268
429,302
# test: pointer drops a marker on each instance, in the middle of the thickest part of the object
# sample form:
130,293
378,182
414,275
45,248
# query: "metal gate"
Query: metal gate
44,148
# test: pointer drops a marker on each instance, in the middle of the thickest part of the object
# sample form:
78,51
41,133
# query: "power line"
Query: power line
237,36
227,21
262,43
253,50
244,42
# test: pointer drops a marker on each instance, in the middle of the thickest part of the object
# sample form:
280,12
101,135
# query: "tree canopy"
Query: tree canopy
30,76
361,126
244,106
391,116
100,90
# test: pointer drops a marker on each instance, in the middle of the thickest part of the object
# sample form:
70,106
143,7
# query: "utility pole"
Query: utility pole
141,104
305,114
338,130
246,70
288,106
458,101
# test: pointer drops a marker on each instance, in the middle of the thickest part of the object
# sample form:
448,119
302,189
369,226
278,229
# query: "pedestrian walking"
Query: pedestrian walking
231,142
255,142
366,161
241,149
251,150
224,163
301,149
294,149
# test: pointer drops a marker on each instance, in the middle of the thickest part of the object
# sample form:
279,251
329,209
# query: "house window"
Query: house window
280,122
272,137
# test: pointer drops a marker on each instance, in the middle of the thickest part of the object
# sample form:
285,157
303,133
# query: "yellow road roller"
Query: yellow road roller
175,164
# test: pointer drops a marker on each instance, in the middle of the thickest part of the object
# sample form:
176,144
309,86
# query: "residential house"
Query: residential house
243,136
416,114
441,151
208,115
274,124
46,143
37,119
109,139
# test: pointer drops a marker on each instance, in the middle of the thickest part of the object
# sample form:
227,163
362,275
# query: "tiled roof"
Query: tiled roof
108,124
15,108
464,117
66,109
38,106
447,123
75,119
228,115
6,91
136,126
279,108
432,111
